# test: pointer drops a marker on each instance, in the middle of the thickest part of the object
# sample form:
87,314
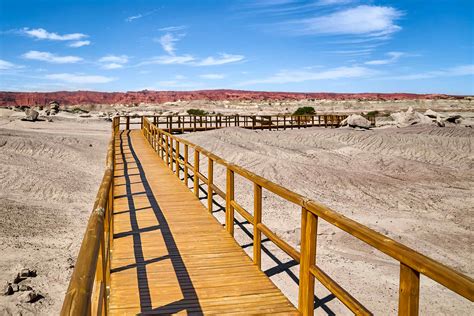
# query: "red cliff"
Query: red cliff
135,97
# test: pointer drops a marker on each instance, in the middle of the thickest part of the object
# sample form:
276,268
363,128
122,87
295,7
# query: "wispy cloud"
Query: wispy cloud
457,71
6,65
289,76
220,60
79,78
139,16
392,57
79,44
42,34
168,41
51,58
212,76
168,60
173,28
363,20
113,61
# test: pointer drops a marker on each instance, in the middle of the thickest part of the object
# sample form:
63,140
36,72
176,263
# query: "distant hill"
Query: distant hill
146,96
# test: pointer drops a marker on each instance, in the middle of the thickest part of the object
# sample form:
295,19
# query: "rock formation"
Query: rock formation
155,97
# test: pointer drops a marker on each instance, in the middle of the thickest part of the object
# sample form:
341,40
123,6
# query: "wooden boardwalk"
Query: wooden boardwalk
169,254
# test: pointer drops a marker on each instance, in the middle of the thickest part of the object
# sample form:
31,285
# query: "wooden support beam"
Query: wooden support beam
229,209
408,302
196,172
210,179
257,217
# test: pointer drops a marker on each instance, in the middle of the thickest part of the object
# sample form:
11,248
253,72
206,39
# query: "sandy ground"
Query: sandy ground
413,184
49,175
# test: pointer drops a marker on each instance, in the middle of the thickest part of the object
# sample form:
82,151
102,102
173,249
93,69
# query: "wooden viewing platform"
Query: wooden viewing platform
169,255
151,246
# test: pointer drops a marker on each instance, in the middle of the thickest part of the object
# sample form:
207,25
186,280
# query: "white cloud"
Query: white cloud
289,76
139,16
51,58
212,76
80,79
122,59
79,43
221,60
168,60
168,41
173,28
6,65
363,20
393,57
112,66
464,70
42,34
113,61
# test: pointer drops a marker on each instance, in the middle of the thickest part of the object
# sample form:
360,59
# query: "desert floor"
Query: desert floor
49,176
413,184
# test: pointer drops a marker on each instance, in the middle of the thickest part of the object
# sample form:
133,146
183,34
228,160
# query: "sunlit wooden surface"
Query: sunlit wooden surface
169,255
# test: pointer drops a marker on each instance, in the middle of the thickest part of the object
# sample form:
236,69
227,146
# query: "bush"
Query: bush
373,113
197,112
305,110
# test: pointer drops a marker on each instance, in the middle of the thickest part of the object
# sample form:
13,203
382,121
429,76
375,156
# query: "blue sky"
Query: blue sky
275,45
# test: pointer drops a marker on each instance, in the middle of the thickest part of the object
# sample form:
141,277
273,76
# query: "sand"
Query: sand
49,176
415,185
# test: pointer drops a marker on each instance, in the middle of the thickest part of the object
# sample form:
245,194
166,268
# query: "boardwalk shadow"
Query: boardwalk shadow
189,302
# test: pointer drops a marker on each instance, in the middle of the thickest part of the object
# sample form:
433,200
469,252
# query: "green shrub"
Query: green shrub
305,110
197,112
373,113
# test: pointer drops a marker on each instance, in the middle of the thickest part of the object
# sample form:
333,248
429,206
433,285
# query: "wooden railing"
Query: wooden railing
89,286
192,123
175,153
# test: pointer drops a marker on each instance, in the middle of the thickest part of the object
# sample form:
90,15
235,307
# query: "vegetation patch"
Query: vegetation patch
305,110
197,112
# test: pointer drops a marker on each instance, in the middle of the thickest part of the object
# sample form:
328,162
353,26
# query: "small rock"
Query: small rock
24,287
28,297
17,279
31,115
440,122
25,273
7,289
85,115
453,118
15,287
431,113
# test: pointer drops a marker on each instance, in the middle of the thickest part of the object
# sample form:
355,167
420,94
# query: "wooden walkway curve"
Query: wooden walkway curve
169,254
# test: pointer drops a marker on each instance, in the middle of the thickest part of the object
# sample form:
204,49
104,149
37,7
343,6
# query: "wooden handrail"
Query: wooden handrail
412,263
87,291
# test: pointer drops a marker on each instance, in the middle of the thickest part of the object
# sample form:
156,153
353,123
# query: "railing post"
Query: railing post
196,172
309,223
127,122
257,217
210,179
167,151
177,159
171,153
186,159
408,301
229,210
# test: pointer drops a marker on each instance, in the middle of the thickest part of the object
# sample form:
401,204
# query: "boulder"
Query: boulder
439,121
356,121
455,118
54,105
410,117
431,113
26,273
31,115
15,287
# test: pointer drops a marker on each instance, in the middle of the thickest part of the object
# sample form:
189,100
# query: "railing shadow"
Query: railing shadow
280,266
189,302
